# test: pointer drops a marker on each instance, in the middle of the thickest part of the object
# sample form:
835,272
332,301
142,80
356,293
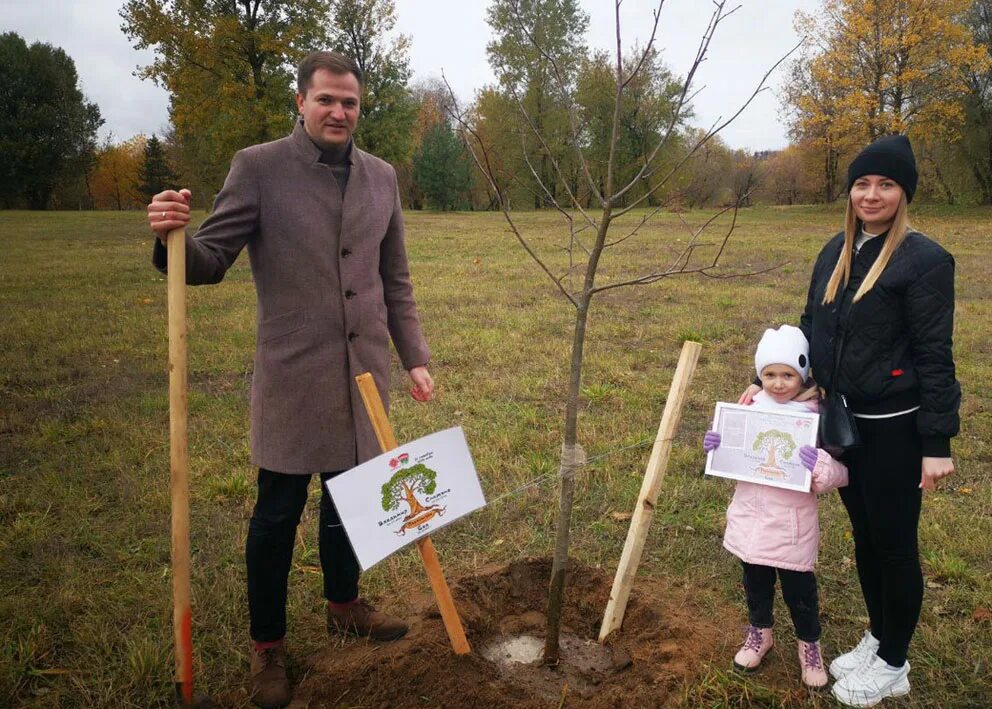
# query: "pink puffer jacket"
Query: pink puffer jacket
777,527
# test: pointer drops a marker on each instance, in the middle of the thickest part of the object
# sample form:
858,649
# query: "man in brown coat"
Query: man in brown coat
322,223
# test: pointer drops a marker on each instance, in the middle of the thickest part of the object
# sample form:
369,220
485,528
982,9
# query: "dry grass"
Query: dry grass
84,543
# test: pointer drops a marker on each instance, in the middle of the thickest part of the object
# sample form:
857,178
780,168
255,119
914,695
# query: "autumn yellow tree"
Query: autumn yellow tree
114,179
819,120
786,179
228,67
876,67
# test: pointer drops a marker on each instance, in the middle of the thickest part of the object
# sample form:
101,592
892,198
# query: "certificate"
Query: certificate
762,445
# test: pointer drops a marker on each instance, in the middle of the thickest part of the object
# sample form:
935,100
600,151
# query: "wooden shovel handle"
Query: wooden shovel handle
179,466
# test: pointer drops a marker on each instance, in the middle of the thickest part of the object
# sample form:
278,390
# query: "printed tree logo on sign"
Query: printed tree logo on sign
772,442
403,487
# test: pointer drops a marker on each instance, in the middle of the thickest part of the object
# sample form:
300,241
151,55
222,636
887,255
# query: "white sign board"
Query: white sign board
405,494
762,445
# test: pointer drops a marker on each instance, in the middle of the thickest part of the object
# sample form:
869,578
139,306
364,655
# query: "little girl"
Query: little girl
775,531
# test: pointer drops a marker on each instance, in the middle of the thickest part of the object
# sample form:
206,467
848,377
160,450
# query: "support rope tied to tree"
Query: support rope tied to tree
584,462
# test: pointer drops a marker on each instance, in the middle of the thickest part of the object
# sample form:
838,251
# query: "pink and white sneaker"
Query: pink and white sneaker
757,643
811,662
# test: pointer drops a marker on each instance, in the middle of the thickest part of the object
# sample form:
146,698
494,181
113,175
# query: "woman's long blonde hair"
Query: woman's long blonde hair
852,227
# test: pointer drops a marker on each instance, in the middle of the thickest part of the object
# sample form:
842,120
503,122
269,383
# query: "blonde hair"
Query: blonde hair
852,227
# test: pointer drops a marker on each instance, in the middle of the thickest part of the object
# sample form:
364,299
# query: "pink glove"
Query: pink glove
711,441
808,456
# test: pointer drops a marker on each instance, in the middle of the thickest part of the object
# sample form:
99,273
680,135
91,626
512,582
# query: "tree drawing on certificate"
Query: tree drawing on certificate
773,443
403,487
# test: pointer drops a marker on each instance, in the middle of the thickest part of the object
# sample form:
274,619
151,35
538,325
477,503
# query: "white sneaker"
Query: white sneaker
850,661
872,682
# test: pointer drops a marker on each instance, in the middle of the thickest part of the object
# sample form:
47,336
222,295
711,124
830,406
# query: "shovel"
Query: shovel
182,620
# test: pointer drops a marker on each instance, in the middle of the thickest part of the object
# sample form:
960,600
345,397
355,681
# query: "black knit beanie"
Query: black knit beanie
891,156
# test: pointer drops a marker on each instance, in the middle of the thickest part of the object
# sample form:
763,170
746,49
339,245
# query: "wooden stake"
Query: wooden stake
387,441
179,467
655,473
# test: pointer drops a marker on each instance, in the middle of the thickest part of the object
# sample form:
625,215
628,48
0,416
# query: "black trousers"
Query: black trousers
883,500
269,550
798,590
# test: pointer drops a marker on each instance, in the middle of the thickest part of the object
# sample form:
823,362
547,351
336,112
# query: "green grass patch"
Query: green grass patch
84,494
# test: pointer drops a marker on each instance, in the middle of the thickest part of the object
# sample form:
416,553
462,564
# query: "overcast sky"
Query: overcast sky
451,35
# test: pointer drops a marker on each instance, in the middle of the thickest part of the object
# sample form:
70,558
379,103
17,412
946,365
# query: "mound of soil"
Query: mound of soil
664,641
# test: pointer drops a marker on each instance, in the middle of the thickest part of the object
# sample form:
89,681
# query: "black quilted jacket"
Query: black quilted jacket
896,339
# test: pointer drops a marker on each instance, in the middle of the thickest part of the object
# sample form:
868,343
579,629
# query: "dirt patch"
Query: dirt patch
666,640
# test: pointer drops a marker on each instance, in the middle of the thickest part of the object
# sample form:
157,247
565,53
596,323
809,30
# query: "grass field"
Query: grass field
84,507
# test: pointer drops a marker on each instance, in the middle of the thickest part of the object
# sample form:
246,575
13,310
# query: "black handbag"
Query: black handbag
838,430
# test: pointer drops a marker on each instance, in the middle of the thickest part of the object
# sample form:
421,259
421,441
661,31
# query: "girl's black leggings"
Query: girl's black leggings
798,590
883,501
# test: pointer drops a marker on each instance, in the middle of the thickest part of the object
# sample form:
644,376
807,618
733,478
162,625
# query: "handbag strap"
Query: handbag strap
838,351
839,347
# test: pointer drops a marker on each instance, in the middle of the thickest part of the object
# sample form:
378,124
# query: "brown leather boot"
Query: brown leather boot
268,685
361,619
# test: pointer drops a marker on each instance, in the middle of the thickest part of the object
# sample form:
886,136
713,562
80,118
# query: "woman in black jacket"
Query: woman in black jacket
884,293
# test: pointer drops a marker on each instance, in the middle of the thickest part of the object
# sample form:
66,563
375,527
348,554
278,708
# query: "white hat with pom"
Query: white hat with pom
787,345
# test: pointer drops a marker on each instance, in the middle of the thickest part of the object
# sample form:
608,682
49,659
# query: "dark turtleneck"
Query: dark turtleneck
338,158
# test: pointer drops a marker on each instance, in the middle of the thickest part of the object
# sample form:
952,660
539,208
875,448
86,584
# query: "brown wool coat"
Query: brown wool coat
333,286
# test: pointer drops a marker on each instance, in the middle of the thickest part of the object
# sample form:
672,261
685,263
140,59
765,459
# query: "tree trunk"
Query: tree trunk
38,196
828,177
415,507
943,183
981,168
987,173
570,461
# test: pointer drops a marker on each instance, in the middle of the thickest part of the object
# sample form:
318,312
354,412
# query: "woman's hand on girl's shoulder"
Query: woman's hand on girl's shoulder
933,470
748,396
812,392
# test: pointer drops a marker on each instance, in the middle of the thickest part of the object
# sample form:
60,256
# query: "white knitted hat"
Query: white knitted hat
787,346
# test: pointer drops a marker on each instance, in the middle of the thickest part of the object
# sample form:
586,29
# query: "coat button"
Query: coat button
349,294
345,253
352,336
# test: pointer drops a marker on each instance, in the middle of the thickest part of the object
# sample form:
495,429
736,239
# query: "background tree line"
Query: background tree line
868,67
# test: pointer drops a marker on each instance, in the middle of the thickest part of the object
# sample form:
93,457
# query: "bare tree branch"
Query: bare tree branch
540,183
714,130
647,49
554,162
643,221
574,133
715,19
573,234
485,167
617,107
680,267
